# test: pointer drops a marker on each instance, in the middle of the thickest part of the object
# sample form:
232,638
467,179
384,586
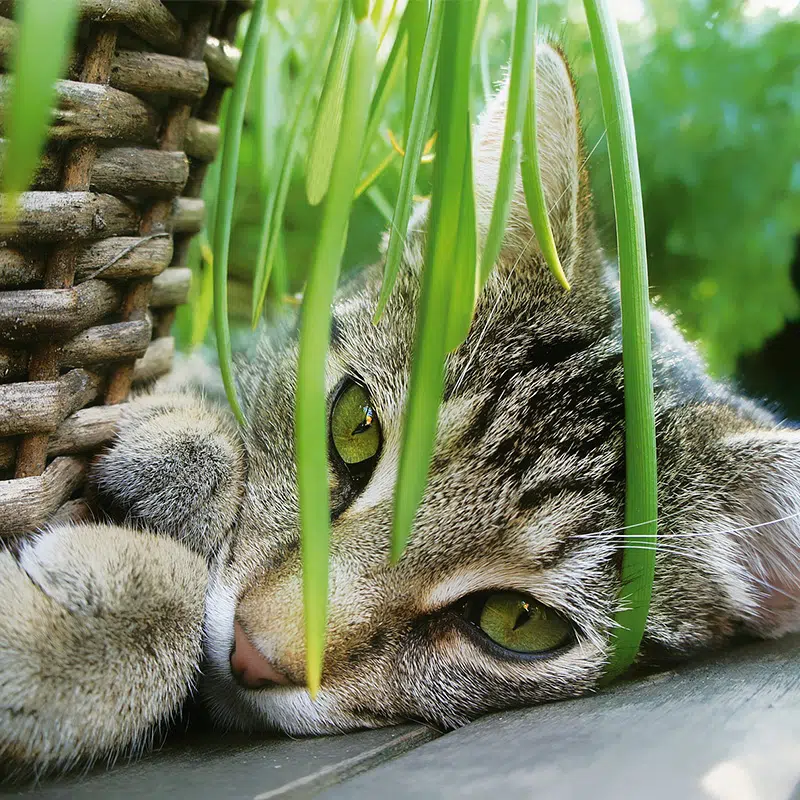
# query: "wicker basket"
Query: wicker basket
90,278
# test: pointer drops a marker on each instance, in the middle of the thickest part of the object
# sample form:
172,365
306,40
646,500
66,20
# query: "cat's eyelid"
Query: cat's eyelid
483,579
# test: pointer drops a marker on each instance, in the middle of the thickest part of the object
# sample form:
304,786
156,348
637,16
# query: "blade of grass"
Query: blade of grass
267,111
325,131
483,7
532,179
483,56
380,202
272,222
375,174
211,183
386,82
46,31
414,147
261,96
280,274
465,259
227,191
360,10
377,13
416,19
203,301
387,23
522,48
641,494
311,429
427,371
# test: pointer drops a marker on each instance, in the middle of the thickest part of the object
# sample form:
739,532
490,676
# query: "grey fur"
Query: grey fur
526,492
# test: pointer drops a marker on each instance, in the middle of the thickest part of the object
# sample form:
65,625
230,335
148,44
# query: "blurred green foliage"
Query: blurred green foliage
716,96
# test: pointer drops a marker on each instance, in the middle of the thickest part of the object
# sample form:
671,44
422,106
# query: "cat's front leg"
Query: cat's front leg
100,642
177,467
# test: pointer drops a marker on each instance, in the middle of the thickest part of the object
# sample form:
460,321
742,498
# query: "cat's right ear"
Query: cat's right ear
562,168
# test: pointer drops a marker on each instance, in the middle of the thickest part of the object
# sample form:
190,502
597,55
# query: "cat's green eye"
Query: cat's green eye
355,429
517,622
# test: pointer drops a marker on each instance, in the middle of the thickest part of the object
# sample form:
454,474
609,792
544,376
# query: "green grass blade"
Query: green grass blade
387,22
383,90
280,273
46,31
377,12
325,133
311,429
261,125
483,7
360,10
203,301
465,259
483,60
227,191
415,144
641,499
380,203
276,202
522,50
427,371
416,19
532,181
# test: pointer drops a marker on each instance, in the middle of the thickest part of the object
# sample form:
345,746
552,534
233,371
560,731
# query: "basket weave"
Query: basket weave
91,275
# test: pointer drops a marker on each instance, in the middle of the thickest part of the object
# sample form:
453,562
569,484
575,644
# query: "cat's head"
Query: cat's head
507,592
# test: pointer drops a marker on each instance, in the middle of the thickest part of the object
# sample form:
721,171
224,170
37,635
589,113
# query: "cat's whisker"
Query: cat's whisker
619,532
697,558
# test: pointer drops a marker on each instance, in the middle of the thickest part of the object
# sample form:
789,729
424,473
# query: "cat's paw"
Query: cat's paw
100,641
176,467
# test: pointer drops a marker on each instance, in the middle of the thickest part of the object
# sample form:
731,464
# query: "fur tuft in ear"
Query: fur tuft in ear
560,156
766,497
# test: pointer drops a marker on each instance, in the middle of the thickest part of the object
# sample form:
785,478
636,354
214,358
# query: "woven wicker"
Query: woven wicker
91,275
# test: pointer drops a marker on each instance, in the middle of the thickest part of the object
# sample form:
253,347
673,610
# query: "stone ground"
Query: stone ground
727,728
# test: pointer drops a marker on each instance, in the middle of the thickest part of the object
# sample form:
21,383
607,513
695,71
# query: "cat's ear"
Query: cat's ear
561,165
765,495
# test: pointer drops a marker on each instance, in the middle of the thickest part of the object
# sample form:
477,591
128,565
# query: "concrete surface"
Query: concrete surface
726,728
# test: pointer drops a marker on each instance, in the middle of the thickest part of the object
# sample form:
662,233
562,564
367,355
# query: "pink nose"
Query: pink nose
249,667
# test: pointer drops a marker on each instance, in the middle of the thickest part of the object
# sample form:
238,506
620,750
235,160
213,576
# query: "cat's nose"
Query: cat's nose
249,667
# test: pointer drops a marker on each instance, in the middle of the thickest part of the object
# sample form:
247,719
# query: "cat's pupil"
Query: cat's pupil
366,423
523,616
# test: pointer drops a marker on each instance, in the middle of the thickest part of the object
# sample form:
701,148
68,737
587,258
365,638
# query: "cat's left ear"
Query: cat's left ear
764,472
561,163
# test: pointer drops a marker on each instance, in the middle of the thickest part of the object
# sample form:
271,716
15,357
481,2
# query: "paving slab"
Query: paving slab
727,728
723,729
219,765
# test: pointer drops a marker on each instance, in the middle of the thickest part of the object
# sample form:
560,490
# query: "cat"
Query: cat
507,593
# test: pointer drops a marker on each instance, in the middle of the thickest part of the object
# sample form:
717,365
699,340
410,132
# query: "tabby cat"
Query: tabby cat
507,593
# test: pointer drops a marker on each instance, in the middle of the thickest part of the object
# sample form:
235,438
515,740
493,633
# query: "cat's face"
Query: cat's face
507,591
